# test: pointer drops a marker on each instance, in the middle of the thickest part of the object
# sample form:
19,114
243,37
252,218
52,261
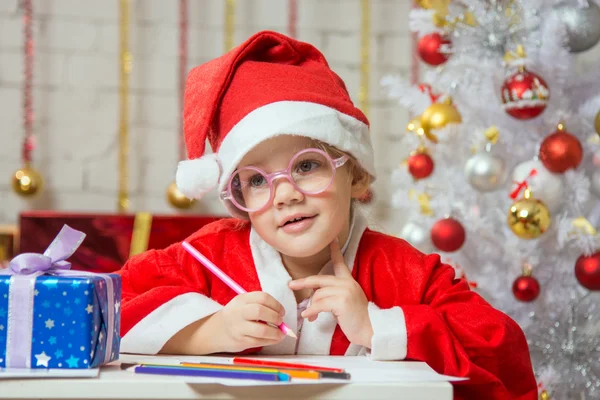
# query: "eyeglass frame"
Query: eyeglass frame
227,194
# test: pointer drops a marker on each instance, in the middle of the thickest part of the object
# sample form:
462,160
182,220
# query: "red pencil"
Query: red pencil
281,364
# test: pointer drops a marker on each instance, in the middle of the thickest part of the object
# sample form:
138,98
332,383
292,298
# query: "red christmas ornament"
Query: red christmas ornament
434,49
427,89
420,165
587,271
526,288
561,151
448,235
525,95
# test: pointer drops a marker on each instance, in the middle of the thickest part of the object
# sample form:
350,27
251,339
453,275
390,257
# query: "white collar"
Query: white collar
274,278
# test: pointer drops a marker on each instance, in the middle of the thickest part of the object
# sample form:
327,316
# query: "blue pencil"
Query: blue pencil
210,373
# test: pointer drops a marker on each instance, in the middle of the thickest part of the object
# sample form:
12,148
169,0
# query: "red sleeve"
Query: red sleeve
458,333
154,278
166,290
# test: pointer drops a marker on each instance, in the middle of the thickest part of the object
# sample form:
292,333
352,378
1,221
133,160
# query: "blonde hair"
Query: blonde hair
355,170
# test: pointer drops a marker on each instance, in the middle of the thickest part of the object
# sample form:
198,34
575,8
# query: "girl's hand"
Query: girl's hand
240,325
341,295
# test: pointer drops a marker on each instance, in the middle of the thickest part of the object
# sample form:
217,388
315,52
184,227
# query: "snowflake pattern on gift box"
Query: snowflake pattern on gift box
69,321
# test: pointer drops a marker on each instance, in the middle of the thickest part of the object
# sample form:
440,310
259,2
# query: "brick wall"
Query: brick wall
76,91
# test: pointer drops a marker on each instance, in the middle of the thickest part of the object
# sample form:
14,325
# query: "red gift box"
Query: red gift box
8,243
108,241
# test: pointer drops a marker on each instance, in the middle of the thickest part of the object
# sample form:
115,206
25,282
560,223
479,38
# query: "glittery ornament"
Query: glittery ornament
525,95
582,23
437,116
561,151
486,172
448,235
587,271
528,217
595,183
547,186
420,164
418,236
434,49
544,395
500,24
178,199
27,182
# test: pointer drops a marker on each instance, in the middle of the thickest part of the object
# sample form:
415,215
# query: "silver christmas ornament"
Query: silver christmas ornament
486,172
418,236
544,185
582,24
595,182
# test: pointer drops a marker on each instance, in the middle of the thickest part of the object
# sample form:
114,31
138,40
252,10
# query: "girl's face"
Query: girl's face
325,216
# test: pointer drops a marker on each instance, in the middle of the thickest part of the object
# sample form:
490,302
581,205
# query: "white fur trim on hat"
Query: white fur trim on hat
302,118
196,177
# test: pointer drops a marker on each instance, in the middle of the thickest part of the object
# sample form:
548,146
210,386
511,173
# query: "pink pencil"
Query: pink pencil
226,279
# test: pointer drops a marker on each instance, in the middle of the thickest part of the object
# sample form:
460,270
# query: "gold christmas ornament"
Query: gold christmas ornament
528,217
27,182
178,199
437,116
544,395
597,123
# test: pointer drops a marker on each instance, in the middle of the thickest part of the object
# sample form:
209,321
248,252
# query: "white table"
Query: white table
114,383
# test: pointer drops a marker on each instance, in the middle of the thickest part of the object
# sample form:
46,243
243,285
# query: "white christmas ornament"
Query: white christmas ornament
418,236
486,172
544,185
582,23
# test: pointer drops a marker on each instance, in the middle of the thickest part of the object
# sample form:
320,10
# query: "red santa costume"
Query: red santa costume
273,85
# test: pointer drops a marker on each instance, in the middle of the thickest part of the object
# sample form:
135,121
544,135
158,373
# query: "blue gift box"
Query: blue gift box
59,318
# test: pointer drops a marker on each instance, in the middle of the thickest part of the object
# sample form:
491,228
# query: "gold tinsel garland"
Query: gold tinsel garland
230,6
125,64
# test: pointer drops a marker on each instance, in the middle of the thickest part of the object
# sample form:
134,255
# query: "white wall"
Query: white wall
76,91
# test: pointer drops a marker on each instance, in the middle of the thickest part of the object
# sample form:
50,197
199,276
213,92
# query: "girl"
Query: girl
291,152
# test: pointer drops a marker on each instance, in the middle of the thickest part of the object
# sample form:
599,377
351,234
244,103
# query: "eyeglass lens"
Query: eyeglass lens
311,172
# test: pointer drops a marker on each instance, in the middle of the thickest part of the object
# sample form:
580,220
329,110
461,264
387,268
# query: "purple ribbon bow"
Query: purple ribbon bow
62,247
24,269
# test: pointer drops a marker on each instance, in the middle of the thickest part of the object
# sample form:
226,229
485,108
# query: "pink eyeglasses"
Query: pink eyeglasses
311,171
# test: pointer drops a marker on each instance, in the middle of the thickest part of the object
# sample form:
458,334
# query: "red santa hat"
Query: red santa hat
270,85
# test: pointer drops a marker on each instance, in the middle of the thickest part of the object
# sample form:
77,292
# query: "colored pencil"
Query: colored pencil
282,364
294,373
226,279
208,373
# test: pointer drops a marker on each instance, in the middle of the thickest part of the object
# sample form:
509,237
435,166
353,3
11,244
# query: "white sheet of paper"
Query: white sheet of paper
12,373
361,369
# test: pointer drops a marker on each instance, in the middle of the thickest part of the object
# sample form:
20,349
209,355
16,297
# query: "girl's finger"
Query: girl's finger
340,269
263,331
322,293
258,312
327,304
316,281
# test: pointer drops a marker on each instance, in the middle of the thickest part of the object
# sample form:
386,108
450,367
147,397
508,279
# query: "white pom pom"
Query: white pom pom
197,177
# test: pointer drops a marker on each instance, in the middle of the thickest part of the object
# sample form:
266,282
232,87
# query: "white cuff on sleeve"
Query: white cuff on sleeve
390,339
151,334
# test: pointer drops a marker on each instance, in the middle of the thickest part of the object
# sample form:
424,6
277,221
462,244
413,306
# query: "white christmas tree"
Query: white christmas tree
504,180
